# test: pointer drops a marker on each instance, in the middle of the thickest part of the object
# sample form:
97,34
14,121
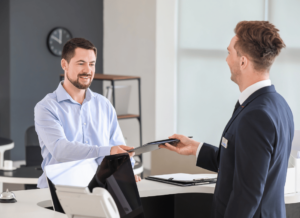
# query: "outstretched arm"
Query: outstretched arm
51,132
206,157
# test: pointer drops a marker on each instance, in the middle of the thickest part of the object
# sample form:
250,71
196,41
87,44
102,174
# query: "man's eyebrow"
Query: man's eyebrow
85,61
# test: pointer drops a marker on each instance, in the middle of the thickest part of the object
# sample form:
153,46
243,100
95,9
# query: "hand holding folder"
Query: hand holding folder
185,146
151,146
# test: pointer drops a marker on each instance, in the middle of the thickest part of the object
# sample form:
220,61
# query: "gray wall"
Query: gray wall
34,71
4,72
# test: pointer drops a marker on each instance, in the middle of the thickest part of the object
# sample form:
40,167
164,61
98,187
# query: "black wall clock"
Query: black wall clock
56,40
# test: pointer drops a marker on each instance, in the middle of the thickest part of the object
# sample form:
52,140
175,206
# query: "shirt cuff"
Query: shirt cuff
104,151
198,150
132,160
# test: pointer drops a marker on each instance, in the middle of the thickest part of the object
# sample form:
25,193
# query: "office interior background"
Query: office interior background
177,47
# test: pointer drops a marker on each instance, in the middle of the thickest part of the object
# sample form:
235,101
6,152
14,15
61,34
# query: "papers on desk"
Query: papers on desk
183,179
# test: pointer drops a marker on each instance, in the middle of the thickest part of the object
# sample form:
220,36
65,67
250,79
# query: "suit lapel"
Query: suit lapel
259,92
248,101
235,114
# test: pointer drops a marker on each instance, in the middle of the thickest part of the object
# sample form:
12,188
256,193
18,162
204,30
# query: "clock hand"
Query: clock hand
56,39
60,36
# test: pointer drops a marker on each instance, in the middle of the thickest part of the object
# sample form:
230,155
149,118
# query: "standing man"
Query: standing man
254,150
74,123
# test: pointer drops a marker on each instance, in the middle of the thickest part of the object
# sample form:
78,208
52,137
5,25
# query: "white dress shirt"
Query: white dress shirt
243,97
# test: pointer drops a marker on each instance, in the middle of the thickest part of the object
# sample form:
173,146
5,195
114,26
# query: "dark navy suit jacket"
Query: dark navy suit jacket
252,169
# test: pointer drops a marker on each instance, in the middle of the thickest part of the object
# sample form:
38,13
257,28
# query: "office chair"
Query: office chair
33,155
32,148
5,144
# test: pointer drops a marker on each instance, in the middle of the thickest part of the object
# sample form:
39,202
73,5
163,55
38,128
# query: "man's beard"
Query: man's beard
77,84
235,72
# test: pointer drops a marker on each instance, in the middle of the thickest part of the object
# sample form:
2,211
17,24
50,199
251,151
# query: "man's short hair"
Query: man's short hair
70,46
259,41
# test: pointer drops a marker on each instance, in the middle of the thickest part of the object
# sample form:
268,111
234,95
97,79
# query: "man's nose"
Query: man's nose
88,68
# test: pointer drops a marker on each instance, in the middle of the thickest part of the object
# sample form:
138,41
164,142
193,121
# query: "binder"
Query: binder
183,179
151,146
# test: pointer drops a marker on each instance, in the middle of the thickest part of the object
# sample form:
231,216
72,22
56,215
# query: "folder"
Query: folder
184,179
151,146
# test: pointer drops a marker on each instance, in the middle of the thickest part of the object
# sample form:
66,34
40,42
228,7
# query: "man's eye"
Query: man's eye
92,65
80,63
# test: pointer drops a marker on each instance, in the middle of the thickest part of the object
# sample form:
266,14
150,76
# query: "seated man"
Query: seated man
74,123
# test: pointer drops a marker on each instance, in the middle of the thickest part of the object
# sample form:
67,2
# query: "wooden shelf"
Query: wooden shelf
99,76
127,116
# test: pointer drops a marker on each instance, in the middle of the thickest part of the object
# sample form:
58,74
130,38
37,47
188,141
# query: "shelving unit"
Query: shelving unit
113,79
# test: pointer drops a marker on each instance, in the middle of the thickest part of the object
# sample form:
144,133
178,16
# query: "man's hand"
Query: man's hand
186,146
119,149
123,149
137,178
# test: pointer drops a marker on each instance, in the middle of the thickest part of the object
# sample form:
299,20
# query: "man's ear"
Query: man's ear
244,62
64,64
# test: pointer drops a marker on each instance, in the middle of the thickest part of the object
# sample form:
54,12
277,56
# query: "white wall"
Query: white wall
206,95
140,39
129,49
165,80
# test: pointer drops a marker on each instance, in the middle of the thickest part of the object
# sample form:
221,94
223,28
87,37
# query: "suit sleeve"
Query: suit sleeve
253,150
208,157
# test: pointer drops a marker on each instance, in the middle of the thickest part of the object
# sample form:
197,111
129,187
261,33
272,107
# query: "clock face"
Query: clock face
56,40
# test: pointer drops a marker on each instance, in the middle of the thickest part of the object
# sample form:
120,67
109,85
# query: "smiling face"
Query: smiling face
233,60
80,70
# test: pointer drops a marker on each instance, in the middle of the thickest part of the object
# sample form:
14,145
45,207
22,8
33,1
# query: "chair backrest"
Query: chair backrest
32,148
31,137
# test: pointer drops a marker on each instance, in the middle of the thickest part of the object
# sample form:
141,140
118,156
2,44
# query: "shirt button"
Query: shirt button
86,142
84,124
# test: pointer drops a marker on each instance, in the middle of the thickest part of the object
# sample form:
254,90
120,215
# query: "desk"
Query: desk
29,175
31,202
23,175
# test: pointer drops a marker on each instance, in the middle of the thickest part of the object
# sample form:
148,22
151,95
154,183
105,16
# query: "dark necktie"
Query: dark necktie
236,106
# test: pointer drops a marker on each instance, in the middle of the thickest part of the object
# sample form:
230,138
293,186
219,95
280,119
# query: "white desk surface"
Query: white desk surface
22,180
31,202
27,205
149,188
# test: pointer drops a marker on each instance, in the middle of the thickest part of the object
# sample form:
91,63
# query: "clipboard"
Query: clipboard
182,179
151,146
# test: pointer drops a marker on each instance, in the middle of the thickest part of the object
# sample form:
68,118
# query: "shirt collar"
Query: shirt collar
253,88
62,94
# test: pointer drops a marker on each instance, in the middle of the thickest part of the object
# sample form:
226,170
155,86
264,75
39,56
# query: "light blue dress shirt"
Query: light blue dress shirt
69,131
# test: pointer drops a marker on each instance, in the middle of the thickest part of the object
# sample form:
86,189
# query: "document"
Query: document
184,177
